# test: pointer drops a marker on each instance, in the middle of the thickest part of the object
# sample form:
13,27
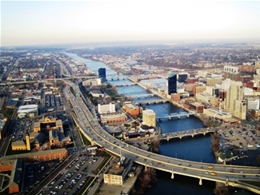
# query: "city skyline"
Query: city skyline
66,22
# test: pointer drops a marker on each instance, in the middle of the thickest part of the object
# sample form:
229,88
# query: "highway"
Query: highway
203,171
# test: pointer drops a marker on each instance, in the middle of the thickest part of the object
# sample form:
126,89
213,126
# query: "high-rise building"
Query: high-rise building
234,101
102,74
149,118
172,84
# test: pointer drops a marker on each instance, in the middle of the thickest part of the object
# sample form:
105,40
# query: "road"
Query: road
218,172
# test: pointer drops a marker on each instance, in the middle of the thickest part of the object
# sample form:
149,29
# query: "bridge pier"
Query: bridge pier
172,176
200,182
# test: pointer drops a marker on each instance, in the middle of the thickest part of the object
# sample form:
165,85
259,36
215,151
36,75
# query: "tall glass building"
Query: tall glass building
172,84
102,74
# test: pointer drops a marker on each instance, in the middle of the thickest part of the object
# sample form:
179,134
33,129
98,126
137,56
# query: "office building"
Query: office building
106,108
172,84
102,74
131,109
234,101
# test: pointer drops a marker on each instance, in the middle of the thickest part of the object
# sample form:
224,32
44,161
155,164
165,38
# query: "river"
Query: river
194,149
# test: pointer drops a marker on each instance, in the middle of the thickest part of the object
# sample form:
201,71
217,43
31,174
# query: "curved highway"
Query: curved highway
229,175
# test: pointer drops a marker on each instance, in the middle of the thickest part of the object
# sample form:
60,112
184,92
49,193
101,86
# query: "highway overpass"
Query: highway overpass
202,171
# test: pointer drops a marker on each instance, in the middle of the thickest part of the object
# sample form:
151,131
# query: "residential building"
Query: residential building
149,118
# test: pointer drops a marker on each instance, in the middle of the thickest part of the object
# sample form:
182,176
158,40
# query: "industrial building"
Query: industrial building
27,110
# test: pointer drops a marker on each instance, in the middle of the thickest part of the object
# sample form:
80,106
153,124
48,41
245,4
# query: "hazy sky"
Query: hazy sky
56,22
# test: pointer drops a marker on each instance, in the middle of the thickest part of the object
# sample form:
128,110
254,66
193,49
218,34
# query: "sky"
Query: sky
46,22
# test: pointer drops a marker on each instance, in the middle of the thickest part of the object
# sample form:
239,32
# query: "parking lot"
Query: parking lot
241,136
77,176
20,128
34,172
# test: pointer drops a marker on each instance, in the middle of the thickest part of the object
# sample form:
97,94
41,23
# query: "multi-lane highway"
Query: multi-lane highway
230,175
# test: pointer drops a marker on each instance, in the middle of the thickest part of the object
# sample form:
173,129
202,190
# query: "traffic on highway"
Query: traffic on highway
97,135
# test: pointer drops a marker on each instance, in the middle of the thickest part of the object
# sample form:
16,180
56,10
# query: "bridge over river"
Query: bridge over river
181,134
175,115
155,101
240,176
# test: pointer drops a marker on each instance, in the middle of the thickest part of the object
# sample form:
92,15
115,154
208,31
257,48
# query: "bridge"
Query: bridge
123,84
115,77
156,101
181,134
175,115
238,177
6,83
142,95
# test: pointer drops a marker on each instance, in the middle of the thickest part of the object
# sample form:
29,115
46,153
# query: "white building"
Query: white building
106,108
26,110
92,82
201,73
252,104
248,91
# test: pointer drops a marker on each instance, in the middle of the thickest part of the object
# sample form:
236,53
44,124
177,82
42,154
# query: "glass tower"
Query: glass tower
172,84
102,74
